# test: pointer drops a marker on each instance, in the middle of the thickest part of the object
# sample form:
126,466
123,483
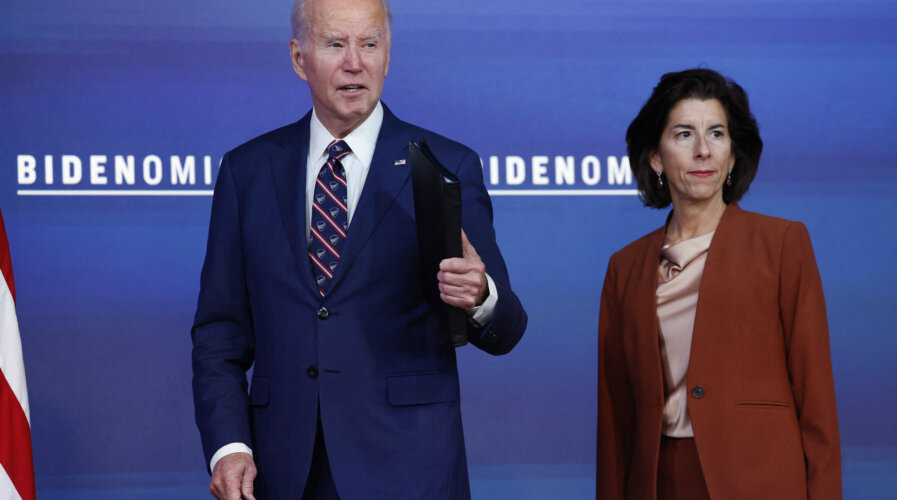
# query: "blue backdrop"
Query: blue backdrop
122,101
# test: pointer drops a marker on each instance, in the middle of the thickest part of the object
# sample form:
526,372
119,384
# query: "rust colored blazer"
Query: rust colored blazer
761,395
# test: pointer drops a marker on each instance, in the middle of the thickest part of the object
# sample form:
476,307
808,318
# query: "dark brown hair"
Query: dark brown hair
644,133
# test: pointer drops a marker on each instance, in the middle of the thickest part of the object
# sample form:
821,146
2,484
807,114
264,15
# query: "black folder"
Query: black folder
437,211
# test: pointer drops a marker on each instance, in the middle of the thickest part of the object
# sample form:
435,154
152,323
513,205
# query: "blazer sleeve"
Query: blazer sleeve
502,333
223,342
802,307
615,401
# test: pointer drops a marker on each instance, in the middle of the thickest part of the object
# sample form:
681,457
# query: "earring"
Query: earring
729,179
659,180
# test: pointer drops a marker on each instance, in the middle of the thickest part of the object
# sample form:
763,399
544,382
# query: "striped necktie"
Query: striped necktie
329,216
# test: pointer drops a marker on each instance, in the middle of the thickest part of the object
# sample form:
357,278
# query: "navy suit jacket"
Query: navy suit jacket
371,353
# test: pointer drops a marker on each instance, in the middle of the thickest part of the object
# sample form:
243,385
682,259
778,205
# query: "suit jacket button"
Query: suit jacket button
697,392
313,371
323,313
492,335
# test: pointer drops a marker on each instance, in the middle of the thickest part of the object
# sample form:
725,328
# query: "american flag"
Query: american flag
16,464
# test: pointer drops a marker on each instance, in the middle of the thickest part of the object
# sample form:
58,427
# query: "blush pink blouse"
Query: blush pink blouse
681,268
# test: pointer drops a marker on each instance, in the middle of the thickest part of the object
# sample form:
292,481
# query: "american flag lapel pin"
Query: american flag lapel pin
400,162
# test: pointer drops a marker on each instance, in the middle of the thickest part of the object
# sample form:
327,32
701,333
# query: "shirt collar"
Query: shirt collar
361,141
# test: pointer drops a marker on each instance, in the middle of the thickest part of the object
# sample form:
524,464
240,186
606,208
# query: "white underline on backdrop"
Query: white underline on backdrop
563,192
120,192
208,192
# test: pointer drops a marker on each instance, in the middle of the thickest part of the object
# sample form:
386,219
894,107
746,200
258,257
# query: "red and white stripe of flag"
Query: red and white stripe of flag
16,463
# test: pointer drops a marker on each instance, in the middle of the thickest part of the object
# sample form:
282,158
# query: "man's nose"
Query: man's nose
352,61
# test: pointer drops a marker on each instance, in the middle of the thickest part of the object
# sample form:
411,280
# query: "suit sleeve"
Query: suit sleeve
804,320
615,404
223,342
502,333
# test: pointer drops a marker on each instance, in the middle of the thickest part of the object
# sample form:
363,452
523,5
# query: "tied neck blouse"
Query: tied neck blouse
681,268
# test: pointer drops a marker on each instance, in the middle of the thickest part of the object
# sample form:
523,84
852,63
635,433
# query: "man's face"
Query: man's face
344,61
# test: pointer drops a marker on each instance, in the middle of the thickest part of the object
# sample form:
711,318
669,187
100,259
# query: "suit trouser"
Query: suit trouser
320,485
679,475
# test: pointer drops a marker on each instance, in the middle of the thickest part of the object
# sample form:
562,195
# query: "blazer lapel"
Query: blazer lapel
288,167
385,179
714,296
648,339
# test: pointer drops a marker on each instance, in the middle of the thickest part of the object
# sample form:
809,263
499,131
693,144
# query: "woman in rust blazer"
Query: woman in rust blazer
714,375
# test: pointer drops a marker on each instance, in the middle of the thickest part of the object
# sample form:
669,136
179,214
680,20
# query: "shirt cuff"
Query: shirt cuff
483,313
227,450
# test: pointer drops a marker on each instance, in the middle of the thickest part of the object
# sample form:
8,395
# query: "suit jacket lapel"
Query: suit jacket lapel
715,293
383,183
649,338
288,167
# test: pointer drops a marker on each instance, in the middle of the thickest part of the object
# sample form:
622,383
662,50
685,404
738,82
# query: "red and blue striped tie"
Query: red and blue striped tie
329,216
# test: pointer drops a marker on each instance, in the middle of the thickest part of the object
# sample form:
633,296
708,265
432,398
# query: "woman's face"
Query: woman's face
695,151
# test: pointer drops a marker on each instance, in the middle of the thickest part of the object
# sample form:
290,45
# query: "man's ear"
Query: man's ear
297,56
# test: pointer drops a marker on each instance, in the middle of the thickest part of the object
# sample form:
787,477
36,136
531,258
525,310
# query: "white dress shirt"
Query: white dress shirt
361,141
357,164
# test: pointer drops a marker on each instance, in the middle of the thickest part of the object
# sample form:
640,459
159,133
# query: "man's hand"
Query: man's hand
233,476
462,281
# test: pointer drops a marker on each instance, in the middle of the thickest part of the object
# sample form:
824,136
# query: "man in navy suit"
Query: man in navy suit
354,391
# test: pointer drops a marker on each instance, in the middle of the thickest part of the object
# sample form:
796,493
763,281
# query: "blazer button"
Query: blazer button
492,335
323,313
697,392
313,371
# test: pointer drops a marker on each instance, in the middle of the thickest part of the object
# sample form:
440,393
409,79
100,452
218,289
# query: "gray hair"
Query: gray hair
299,21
